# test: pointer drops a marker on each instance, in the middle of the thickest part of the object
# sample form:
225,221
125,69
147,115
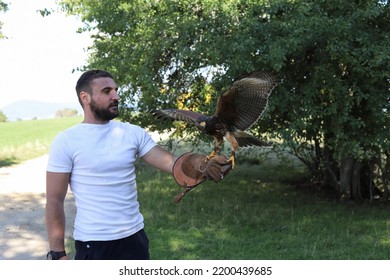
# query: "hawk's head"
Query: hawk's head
201,123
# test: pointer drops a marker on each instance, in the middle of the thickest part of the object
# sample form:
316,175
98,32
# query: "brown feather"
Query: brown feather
242,104
238,108
178,115
245,140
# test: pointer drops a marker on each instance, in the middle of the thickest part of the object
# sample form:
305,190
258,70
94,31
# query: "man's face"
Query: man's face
104,99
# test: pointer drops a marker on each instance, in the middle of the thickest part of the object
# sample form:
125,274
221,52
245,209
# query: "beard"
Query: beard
104,114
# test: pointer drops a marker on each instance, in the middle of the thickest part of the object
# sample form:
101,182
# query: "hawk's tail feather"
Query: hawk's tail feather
245,140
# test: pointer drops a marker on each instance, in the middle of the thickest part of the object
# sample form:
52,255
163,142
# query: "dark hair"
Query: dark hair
85,80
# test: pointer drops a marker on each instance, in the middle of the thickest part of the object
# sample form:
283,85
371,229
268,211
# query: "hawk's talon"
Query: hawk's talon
232,161
210,156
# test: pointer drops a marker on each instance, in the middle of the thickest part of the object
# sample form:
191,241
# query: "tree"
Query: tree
332,109
3,117
3,8
64,113
339,89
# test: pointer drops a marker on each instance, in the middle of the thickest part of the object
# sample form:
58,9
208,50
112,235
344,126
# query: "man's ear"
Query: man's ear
85,97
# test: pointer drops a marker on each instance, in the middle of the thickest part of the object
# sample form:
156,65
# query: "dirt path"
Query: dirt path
22,211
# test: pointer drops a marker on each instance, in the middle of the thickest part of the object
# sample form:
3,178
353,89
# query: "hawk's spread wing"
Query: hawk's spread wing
178,115
242,104
245,140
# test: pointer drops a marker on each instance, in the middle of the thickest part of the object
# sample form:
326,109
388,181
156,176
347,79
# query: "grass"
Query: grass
258,212
264,210
23,140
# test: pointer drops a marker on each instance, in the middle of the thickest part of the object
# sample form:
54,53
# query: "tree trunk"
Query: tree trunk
346,171
386,175
357,183
352,179
318,154
330,176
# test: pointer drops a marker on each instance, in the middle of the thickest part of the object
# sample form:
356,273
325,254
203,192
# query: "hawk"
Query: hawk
238,108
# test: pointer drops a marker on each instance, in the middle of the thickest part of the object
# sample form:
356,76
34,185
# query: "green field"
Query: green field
266,210
23,140
259,212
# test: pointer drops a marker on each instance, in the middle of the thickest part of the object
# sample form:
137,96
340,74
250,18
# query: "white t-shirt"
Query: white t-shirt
100,158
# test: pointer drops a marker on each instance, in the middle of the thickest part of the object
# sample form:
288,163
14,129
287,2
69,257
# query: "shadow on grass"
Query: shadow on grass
8,161
254,214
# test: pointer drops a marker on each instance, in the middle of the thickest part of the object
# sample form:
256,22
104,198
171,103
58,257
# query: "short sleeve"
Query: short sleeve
145,142
60,159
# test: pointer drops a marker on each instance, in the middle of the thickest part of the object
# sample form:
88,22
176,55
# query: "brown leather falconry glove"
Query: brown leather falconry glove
191,169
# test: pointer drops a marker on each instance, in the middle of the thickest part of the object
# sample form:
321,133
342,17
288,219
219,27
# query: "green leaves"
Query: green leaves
333,57
3,8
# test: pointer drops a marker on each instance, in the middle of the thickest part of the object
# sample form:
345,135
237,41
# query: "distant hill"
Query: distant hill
32,109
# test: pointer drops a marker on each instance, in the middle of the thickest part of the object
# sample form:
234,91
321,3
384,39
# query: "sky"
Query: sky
40,53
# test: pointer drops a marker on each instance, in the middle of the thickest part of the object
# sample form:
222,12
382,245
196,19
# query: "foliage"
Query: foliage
64,113
3,8
333,56
3,117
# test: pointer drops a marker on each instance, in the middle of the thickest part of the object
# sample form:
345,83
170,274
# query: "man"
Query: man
96,157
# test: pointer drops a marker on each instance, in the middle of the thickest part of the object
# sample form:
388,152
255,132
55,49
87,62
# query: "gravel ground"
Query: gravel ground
22,206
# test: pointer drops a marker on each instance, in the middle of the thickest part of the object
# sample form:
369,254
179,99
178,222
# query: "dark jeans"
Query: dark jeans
134,247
